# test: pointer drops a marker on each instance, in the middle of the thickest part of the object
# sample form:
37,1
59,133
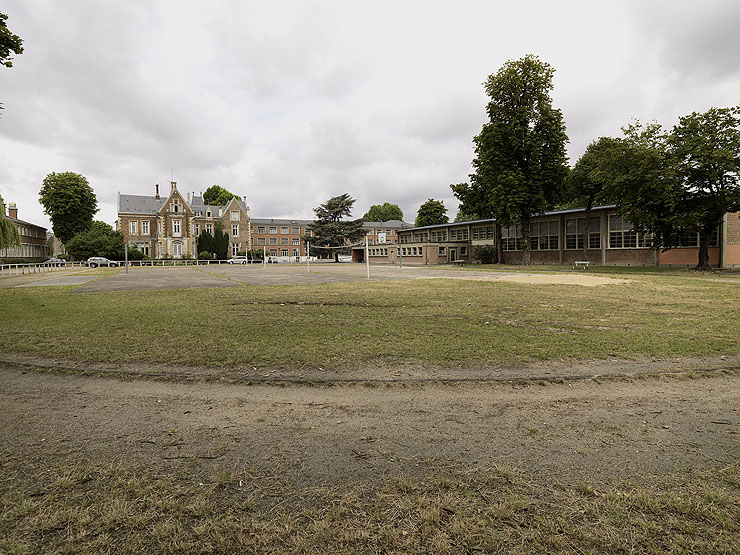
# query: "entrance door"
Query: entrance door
453,255
177,249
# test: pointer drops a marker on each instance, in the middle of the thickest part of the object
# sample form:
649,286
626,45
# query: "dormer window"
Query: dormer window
176,205
208,214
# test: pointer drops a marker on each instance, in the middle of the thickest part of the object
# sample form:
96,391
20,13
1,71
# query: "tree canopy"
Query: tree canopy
216,243
218,196
9,236
9,44
330,229
683,181
99,239
70,202
520,161
383,213
432,212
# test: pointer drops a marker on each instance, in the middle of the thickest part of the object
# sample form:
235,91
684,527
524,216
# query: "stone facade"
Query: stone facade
170,226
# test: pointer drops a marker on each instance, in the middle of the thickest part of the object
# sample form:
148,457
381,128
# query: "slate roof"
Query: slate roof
391,224
280,221
149,204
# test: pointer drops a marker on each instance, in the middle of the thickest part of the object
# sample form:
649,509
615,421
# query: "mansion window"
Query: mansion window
209,228
176,227
622,235
145,228
132,228
574,233
234,230
511,238
234,215
260,229
196,229
234,249
543,235
176,205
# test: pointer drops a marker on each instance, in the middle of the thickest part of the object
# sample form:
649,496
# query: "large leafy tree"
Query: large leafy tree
383,213
70,202
9,44
218,196
520,162
432,212
330,229
684,181
98,240
588,181
9,236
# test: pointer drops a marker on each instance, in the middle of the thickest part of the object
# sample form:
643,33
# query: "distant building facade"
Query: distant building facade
557,238
33,245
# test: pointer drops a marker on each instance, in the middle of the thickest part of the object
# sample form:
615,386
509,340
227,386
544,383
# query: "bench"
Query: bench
581,264
459,262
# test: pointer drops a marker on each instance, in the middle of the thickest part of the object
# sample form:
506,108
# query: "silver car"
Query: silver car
237,260
95,261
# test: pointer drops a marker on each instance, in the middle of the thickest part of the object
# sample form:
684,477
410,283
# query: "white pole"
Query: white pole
125,254
367,258
264,257
308,257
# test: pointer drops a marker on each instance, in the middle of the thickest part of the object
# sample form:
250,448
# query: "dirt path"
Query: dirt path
581,430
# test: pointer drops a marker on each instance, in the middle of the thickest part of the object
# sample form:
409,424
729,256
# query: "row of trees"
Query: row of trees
665,183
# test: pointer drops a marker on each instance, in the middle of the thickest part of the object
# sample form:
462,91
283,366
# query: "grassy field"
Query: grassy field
418,322
90,509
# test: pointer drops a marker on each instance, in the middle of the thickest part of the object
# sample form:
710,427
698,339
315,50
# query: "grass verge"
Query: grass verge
417,322
78,508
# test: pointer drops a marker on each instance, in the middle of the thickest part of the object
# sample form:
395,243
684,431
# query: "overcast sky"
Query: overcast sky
291,103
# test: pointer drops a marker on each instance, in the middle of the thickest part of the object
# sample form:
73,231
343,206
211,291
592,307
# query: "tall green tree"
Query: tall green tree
98,240
220,241
330,229
432,212
70,202
383,213
520,163
9,44
684,181
218,196
588,181
9,236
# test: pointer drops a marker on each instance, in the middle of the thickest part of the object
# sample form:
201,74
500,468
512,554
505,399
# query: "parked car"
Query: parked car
237,260
95,261
54,261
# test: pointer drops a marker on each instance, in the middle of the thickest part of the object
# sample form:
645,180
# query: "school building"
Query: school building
34,246
557,238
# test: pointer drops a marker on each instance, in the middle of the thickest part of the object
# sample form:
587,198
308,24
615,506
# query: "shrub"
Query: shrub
204,255
14,261
485,254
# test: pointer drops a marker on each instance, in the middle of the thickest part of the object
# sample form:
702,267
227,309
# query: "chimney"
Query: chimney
173,186
12,210
188,197
156,188
220,211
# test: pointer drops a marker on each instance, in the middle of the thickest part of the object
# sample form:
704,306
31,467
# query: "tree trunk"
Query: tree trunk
499,246
704,238
526,253
336,255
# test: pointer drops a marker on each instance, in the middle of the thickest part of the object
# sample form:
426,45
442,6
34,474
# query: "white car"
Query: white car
95,261
238,260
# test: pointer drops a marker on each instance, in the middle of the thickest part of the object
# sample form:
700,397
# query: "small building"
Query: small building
556,237
34,246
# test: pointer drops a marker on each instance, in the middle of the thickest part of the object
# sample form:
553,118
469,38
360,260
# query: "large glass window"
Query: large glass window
511,238
543,235
574,233
622,235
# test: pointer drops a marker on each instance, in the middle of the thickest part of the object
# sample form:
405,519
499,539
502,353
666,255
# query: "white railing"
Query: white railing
35,268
